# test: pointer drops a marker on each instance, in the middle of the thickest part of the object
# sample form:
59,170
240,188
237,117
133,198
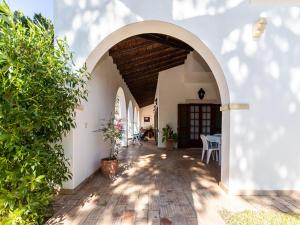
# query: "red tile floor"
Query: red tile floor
155,187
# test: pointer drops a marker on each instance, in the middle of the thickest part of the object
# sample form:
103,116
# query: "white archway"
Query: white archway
130,120
135,121
120,112
154,26
138,120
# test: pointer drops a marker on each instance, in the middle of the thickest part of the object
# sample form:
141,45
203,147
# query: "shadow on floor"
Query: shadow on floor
155,187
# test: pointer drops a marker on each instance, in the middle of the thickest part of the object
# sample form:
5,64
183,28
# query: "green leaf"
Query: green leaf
40,178
39,91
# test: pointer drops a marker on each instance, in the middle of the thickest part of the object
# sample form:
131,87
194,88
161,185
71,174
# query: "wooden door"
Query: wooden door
195,126
183,126
197,119
216,122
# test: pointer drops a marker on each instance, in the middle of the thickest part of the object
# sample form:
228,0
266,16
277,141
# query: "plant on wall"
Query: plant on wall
39,91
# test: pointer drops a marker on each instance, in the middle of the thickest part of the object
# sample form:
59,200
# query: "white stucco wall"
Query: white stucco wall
136,121
262,151
88,146
130,120
147,111
67,143
180,85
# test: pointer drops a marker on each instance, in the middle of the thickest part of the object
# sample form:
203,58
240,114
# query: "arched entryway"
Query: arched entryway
120,112
130,120
198,46
135,121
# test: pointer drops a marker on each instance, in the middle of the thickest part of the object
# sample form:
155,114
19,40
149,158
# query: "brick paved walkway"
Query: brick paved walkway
159,187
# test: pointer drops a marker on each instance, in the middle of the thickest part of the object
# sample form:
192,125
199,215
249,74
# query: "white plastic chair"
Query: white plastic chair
136,139
218,139
207,146
204,144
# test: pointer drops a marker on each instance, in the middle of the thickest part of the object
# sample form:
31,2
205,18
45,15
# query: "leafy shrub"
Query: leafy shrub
39,90
168,133
112,132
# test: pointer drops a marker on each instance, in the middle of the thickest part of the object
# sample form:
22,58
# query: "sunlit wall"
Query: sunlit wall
263,73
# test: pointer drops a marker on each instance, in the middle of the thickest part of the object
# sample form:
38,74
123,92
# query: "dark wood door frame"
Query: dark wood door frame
156,125
196,119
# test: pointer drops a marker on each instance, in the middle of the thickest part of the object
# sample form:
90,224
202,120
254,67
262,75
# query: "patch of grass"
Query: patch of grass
260,218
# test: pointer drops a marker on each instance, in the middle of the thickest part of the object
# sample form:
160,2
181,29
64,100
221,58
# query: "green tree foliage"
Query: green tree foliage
38,19
39,90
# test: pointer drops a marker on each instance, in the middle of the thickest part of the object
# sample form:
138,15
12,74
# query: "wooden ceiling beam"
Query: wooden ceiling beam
131,52
151,69
166,40
142,91
143,104
154,53
157,64
134,41
153,60
146,100
156,69
150,55
142,76
141,58
147,94
143,86
146,83
142,96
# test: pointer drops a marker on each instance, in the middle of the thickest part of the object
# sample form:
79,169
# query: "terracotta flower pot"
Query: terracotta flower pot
109,167
169,144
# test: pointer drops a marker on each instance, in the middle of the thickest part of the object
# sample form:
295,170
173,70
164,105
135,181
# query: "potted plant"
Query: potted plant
169,136
112,133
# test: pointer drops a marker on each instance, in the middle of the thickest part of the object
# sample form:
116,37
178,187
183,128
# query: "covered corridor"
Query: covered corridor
159,187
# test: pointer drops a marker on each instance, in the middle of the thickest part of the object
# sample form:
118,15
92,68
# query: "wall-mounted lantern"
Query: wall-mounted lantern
201,93
259,27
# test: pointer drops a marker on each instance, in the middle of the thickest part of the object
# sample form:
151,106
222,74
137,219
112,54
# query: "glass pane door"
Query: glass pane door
194,122
206,119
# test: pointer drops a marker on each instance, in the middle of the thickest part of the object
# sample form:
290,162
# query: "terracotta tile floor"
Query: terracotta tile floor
159,187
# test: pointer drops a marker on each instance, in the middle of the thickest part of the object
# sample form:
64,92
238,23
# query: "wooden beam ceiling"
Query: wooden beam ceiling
151,61
166,40
147,49
149,56
145,79
153,69
140,59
